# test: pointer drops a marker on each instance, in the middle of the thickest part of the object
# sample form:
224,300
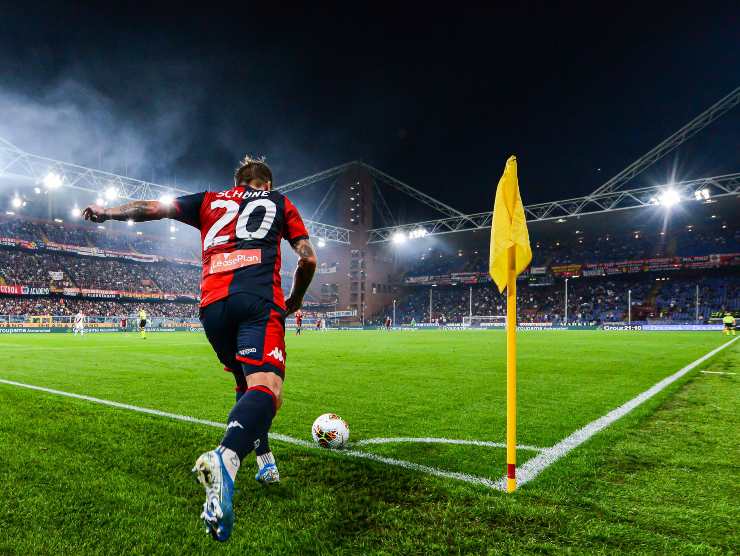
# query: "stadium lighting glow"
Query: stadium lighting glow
101,227
322,243
17,202
418,233
172,238
669,197
139,233
560,220
37,190
399,237
100,201
166,199
173,229
58,220
75,212
9,213
111,193
702,194
52,180
130,222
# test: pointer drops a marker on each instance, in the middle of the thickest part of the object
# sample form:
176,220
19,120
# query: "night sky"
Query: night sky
436,98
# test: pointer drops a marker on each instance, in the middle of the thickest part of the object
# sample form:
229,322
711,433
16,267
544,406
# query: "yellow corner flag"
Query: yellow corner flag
510,255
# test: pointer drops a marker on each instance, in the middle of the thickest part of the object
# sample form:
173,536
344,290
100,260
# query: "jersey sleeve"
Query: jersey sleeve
187,209
294,229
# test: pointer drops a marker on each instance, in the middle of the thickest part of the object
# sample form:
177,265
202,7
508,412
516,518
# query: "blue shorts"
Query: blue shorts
247,333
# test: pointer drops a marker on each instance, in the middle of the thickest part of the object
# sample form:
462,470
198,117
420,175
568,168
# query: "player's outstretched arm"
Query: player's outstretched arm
303,274
138,211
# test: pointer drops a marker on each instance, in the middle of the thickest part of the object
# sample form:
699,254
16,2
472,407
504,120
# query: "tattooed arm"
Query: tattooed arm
303,274
138,211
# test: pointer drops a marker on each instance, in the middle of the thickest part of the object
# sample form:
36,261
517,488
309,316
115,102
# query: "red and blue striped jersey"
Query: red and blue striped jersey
241,230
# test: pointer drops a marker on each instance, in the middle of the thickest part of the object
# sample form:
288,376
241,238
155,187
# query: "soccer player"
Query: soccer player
243,313
142,323
388,323
298,323
729,321
79,325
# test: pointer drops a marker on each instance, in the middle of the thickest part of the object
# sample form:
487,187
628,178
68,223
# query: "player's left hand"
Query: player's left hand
95,213
292,304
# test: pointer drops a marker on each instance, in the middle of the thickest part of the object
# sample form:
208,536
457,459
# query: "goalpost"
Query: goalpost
485,321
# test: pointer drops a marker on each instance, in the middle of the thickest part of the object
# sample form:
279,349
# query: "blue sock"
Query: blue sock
249,421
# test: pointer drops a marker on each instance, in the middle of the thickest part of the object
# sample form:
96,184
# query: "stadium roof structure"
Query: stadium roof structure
609,197
16,163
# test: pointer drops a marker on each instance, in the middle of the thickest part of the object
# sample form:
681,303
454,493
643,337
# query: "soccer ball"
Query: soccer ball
330,431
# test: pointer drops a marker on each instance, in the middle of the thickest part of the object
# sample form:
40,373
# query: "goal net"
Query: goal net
485,321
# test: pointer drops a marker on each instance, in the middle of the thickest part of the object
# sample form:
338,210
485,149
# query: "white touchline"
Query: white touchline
498,485
533,467
716,373
528,471
413,440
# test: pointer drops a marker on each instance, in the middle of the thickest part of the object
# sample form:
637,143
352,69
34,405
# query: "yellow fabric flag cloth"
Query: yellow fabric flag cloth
509,227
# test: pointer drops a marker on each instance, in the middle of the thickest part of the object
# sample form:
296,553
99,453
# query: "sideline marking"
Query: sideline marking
533,467
473,479
431,440
528,471
716,372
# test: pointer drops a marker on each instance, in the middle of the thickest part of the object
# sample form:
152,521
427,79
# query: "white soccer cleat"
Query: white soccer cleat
218,513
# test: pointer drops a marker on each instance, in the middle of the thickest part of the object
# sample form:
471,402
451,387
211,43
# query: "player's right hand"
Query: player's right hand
95,213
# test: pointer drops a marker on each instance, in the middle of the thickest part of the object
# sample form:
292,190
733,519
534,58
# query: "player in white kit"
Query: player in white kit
79,325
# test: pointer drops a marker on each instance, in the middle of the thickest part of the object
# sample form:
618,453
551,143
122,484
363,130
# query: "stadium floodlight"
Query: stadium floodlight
58,220
418,233
399,237
9,213
111,193
17,202
166,199
52,180
37,190
669,197
130,222
702,194
322,243
75,212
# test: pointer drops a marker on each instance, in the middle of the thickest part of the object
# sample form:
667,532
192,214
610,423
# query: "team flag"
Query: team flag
510,255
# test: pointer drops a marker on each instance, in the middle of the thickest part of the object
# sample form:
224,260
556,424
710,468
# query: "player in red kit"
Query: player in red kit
243,313
298,323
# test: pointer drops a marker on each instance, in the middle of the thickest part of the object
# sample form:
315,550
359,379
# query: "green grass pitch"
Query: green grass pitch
78,477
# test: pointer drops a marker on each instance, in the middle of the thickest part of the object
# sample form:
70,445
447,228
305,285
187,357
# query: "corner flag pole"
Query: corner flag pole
511,370
510,255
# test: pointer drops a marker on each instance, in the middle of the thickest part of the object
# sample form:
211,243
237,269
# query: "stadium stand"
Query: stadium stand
68,264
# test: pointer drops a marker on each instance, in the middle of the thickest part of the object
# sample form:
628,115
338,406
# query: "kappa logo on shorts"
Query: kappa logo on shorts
277,354
225,262
234,424
247,351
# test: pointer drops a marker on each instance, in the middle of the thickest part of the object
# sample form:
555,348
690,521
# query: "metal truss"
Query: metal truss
315,178
389,180
689,130
15,163
327,232
718,186
18,164
439,206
